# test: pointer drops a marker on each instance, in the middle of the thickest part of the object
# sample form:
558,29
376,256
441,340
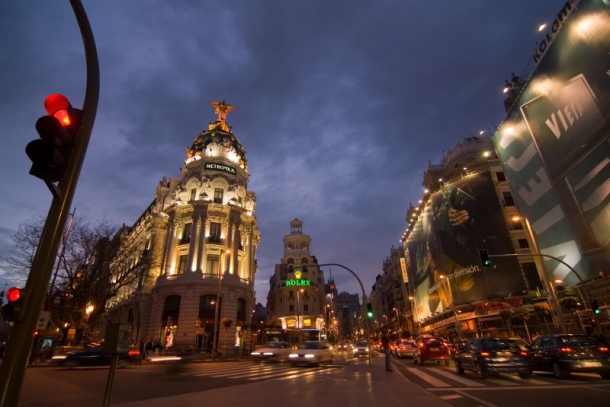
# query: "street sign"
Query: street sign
43,321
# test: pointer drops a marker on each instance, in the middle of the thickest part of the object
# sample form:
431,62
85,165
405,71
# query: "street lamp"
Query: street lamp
397,318
298,306
557,314
88,312
414,314
217,305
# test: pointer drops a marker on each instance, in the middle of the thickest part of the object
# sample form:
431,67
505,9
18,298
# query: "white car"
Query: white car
361,349
272,351
312,352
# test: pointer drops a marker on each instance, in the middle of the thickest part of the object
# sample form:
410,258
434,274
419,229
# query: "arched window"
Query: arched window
171,309
207,308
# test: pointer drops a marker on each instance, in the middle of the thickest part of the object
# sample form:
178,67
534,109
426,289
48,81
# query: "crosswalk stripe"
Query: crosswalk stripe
454,376
428,378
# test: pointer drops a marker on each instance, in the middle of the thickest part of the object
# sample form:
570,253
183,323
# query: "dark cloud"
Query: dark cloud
340,105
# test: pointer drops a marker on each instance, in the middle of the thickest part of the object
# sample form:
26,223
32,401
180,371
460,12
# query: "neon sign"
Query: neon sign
299,283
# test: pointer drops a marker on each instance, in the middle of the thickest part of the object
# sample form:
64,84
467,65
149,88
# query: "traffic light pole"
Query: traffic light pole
364,300
14,363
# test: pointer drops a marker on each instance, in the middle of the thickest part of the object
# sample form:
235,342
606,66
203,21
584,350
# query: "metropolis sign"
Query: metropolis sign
294,283
219,167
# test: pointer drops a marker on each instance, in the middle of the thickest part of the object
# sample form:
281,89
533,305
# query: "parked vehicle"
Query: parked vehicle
430,348
564,354
492,355
405,348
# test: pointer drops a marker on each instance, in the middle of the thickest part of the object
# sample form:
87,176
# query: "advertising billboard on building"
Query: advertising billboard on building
442,251
555,147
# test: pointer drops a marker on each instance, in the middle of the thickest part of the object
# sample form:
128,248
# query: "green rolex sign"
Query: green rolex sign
299,283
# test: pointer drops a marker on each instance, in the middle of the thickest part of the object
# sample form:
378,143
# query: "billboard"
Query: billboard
555,147
442,251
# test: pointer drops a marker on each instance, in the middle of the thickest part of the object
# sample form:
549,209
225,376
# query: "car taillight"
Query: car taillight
484,353
603,349
566,350
523,353
421,345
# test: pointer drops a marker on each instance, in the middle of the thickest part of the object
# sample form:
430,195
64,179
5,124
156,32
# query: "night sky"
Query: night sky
340,105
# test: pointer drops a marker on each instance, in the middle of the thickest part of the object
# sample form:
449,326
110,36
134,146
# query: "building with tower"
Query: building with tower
199,237
296,297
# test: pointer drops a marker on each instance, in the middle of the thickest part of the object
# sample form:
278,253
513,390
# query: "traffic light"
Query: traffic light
593,322
595,307
485,258
13,310
369,310
50,153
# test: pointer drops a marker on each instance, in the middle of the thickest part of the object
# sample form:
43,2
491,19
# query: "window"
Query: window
241,310
193,194
305,308
171,309
291,309
523,244
207,308
182,264
186,233
500,176
508,199
212,264
215,232
532,278
218,195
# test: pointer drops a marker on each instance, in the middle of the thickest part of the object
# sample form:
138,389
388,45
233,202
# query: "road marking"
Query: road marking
459,379
428,378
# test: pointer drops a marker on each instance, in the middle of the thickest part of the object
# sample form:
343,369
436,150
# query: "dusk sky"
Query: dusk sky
340,105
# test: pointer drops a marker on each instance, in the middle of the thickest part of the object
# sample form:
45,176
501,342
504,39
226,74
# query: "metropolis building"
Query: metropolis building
199,237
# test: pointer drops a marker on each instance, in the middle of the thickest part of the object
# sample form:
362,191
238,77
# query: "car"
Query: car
272,351
343,346
564,354
312,353
491,356
92,358
405,348
361,349
429,347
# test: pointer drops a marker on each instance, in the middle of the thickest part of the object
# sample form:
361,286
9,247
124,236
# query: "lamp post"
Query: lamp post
217,305
414,314
397,318
88,312
455,315
298,306
557,314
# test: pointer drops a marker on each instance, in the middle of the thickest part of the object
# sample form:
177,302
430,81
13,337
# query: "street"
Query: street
51,386
506,390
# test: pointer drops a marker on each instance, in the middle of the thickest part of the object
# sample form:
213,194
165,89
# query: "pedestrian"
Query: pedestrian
385,342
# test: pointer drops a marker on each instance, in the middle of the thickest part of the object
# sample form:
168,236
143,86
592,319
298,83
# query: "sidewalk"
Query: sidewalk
356,385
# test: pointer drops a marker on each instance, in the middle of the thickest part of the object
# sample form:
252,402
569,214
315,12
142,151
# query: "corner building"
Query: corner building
200,237
296,298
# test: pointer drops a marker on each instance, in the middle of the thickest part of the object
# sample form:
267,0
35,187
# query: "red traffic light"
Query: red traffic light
13,294
58,105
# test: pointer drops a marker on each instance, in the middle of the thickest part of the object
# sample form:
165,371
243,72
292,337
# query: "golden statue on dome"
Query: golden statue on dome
222,109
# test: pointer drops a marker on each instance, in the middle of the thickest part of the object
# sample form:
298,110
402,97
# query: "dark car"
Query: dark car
428,347
92,358
564,354
492,355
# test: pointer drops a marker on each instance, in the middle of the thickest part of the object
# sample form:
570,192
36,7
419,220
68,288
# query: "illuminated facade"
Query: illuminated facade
467,207
200,236
296,298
